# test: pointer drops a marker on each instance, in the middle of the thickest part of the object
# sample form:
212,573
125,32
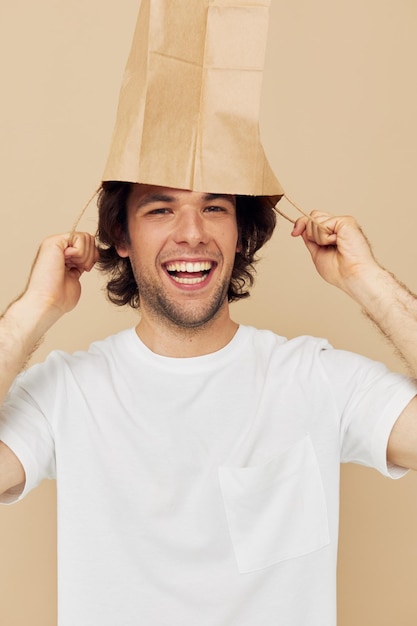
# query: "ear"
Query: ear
122,247
122,251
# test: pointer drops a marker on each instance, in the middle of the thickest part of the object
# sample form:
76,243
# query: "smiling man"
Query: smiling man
197,461
182,257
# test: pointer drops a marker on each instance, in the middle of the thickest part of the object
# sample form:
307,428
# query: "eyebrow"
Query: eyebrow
218,196
154,197
162,197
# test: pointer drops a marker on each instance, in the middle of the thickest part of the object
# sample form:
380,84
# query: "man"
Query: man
196,460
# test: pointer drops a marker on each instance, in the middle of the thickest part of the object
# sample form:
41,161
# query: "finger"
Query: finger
316,229
322,230
82,253
299,226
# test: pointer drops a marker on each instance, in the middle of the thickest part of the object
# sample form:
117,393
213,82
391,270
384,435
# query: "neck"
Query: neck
174,341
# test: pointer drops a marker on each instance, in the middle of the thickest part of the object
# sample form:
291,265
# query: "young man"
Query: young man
197,462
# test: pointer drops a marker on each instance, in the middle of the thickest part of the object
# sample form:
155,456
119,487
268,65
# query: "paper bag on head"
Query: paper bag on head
188,115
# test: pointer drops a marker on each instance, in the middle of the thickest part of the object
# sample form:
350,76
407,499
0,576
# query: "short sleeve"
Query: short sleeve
26,431
370,398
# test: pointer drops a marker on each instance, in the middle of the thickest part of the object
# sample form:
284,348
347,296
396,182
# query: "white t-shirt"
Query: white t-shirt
201,490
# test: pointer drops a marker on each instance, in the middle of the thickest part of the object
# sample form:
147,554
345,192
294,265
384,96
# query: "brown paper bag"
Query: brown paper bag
188,114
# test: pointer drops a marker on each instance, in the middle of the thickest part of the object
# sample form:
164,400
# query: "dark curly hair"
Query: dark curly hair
256,219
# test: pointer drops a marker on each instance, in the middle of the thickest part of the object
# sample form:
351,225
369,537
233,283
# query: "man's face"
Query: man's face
182,248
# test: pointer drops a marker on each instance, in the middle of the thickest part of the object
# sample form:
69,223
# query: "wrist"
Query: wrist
372,286
361,277
29,319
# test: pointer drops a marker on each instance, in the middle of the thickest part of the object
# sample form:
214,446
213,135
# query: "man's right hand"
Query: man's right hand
54,283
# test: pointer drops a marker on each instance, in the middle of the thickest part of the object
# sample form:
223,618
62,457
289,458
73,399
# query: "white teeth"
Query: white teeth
190,268
188,281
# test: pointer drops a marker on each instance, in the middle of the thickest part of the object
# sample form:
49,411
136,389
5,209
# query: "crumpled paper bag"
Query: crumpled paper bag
188,115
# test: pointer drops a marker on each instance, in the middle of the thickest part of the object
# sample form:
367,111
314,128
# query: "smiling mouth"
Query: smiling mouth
188,273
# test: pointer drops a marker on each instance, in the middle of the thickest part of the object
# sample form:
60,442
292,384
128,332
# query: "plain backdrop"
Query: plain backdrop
338,123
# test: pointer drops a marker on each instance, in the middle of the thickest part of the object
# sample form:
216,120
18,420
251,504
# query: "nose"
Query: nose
190,227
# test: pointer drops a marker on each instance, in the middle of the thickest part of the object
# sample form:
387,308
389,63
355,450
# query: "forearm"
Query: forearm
391,306
22,327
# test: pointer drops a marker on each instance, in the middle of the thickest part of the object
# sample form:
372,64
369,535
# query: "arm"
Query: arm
53,289
344,259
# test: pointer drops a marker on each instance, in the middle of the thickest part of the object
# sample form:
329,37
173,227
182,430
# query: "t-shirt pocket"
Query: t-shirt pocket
276,511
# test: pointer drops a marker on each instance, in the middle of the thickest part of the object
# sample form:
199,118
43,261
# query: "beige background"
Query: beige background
338,123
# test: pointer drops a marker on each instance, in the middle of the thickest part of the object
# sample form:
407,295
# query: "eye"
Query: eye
158,211
215,209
